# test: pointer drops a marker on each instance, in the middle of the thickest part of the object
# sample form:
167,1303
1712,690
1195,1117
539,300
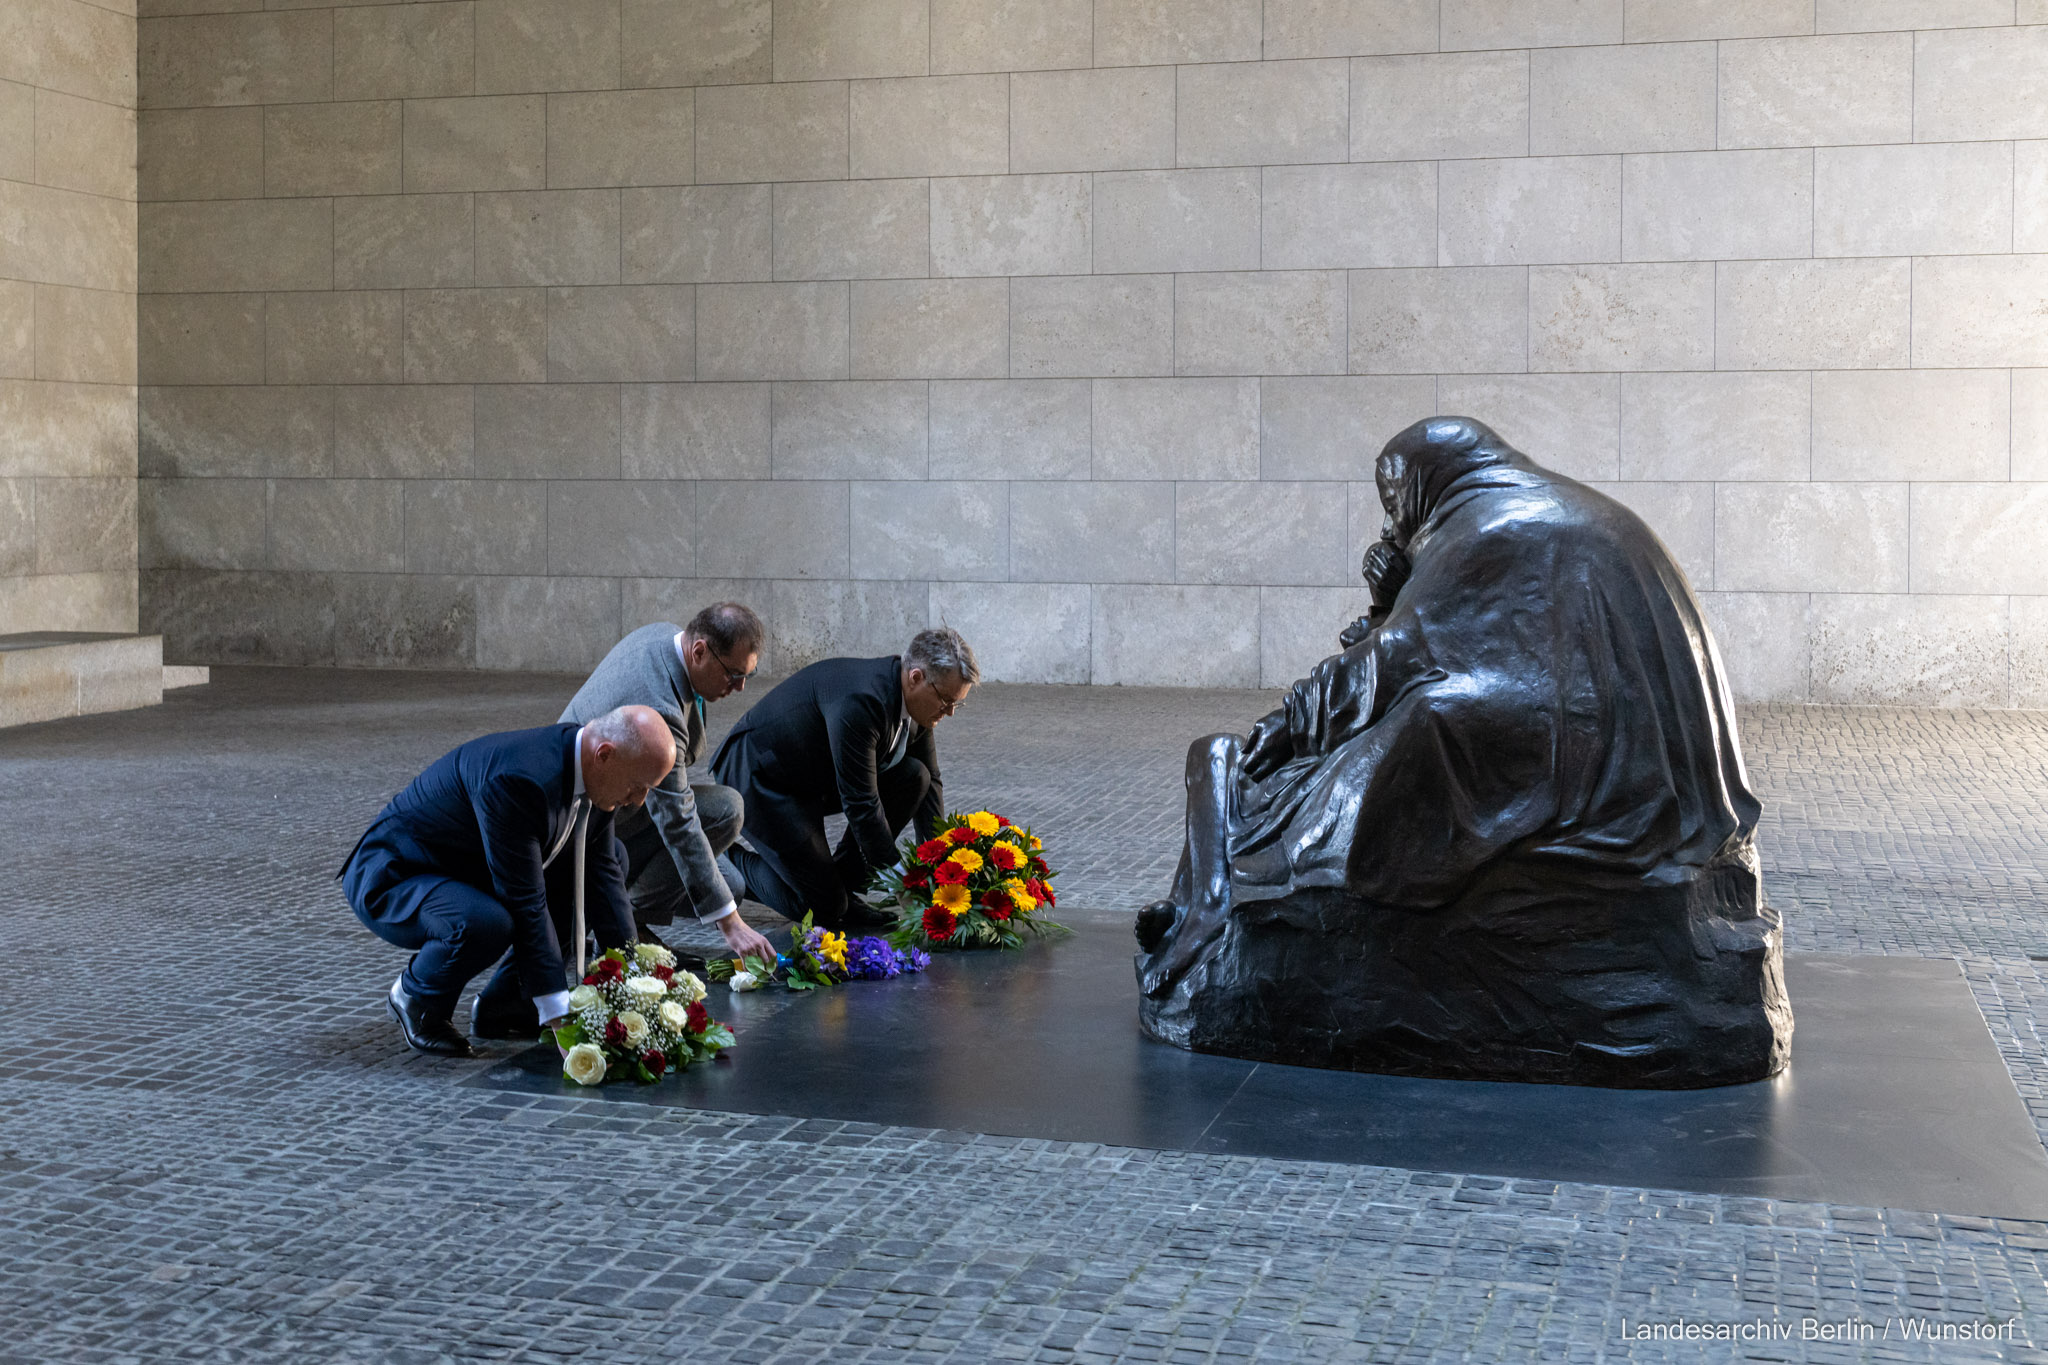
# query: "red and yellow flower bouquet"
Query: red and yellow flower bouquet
979,882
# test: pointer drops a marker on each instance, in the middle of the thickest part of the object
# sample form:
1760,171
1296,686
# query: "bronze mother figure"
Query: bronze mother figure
1506,834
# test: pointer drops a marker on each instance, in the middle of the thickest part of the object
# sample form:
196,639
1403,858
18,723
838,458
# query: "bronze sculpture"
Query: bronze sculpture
1505,834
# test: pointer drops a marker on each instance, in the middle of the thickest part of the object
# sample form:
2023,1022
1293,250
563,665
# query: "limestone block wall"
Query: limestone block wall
67,316
474,332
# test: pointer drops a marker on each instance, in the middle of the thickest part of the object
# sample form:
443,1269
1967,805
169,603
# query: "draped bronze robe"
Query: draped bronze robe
1508,834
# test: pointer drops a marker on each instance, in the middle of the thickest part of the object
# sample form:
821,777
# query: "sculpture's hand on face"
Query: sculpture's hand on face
1267,747
1385,569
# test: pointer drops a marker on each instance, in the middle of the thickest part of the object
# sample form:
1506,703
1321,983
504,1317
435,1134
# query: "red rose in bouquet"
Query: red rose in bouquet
636,1016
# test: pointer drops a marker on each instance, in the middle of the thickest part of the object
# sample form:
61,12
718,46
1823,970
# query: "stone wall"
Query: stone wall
67,316
476,332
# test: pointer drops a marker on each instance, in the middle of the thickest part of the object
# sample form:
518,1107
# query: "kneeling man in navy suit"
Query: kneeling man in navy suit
480,852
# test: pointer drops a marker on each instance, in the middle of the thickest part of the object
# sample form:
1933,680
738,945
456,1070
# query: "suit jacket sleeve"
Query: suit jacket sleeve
673,809
512,816
853,728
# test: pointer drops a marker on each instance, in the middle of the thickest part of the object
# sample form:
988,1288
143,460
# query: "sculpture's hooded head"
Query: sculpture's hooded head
1423,471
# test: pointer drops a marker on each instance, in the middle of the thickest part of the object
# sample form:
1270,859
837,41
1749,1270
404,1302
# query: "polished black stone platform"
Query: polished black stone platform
1896,1097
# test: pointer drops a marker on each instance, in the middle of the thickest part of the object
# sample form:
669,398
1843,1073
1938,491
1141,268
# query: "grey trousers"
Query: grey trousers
652,882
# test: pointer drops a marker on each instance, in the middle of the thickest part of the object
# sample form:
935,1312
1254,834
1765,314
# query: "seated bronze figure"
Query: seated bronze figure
1505,834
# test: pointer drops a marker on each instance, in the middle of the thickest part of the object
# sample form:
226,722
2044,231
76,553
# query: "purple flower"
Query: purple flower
913,960
870,959
811,950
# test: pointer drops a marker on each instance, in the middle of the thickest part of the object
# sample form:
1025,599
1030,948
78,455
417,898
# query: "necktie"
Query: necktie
582,824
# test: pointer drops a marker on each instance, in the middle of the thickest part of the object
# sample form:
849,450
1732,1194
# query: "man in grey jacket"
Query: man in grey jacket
673,842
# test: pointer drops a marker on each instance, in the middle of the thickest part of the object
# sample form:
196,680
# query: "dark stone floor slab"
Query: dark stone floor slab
1896,1097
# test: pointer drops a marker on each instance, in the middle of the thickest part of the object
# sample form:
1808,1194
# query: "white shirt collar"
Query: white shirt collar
576,792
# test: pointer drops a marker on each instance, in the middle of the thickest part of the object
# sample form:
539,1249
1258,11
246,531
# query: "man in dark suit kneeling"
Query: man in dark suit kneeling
851,735
480,851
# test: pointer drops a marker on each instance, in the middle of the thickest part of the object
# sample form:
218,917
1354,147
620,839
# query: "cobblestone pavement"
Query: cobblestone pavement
213,1147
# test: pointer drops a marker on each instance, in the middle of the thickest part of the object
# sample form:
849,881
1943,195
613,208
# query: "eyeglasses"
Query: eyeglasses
734,677
947,705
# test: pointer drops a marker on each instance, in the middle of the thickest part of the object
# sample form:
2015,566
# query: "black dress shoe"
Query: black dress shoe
860,918
424,1032
504,1025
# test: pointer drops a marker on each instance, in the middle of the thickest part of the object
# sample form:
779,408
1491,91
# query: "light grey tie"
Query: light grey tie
899,746
582,824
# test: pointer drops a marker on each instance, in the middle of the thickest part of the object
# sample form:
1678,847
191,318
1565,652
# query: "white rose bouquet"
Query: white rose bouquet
637,1015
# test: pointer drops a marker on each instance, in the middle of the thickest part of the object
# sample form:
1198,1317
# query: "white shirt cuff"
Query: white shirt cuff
720,913
552,1006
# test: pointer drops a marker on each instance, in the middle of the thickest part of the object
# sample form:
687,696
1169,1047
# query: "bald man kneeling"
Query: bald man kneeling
478,854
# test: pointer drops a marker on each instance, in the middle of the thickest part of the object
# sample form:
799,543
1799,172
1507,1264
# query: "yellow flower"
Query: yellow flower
1037,844
967,859
832,947
983,823
1020,898
950,898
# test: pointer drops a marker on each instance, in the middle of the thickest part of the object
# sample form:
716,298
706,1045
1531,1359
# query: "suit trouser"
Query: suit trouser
503,997
791,869
454,929
653,883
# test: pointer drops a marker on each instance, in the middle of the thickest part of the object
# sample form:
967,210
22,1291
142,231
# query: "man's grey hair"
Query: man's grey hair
941,650
617,729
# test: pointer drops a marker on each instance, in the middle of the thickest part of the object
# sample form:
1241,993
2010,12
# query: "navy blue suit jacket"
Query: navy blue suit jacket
486,813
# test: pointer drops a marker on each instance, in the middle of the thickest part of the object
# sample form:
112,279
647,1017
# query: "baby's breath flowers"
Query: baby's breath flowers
635,1014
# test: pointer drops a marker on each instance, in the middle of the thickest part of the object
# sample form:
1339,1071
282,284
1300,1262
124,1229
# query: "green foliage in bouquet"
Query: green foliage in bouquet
820,957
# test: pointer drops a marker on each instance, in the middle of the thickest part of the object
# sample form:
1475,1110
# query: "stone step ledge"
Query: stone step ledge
49,675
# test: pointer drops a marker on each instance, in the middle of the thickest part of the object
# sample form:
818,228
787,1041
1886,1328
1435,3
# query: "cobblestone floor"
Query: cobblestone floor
213,1147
